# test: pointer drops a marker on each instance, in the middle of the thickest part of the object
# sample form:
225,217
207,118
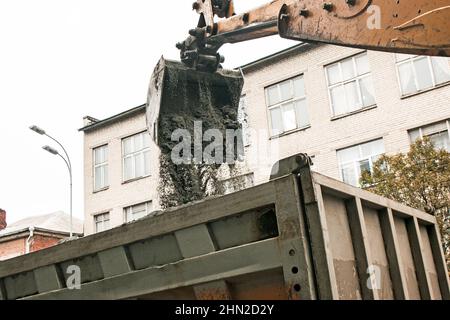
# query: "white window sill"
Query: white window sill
409,95
100,190
349,114
136,179
290,132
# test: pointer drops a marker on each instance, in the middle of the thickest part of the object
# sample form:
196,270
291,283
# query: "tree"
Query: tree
419,179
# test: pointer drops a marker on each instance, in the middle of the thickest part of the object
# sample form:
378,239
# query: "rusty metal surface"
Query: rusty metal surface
206,12
259,286
256,23
209,8
403,255
413,27
213,291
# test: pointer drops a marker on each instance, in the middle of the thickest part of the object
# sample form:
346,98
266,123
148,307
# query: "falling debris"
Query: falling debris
194,102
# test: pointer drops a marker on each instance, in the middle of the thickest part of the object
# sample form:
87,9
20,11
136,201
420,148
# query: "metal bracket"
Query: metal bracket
290,165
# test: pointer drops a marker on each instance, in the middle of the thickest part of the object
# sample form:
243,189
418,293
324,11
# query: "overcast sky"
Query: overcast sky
63,59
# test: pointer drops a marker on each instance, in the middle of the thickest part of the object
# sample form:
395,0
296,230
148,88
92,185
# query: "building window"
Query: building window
350,84
101,179
101,222
287,105
136,156
439,134
138,211
355,160
418,73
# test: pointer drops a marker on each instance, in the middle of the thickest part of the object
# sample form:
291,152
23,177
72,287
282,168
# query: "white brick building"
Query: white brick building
327,128
120,170
342,106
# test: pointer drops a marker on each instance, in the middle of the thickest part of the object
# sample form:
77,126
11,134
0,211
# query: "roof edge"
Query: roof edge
304,46
18,232
113,118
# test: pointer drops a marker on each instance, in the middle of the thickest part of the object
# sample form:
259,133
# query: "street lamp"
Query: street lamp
66,160
37,130
52,151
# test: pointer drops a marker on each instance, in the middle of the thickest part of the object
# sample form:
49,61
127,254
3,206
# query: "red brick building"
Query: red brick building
35,233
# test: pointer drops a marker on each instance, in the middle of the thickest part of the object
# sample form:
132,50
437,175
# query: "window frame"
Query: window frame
356,79
148,206
133,154
411,60
102,221
103,164
280,104
421,129
357,161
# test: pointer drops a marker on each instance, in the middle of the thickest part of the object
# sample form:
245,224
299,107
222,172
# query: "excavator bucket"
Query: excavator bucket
190,102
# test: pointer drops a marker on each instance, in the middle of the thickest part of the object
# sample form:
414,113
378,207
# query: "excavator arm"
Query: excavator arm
419,27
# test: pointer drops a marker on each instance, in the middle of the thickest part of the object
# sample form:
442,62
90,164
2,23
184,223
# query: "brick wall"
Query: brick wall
17,247
42,242
11,249
390,120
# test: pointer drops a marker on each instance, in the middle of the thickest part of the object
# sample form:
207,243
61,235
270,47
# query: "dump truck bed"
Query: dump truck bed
299,236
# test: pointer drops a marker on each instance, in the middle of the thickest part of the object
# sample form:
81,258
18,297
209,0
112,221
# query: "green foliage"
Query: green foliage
419,179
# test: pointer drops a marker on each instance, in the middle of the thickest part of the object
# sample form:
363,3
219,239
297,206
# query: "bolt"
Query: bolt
350,2
304,13
328,6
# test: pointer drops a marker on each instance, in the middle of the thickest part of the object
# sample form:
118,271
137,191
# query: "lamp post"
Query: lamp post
67,162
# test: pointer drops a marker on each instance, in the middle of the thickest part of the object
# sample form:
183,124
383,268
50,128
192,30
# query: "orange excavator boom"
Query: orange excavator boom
419,27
